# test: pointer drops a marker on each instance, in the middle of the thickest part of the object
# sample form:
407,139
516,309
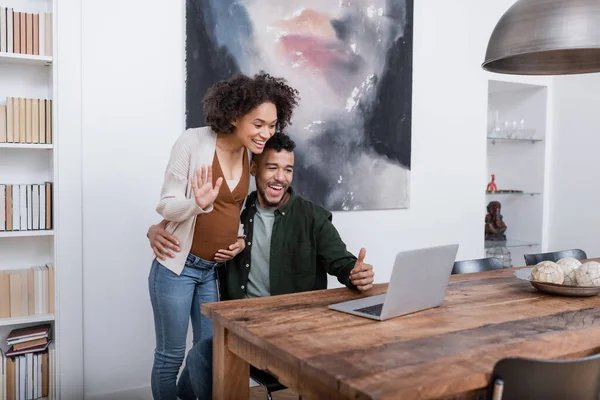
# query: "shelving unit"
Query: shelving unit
17,234
26,146
512,194
518,161
495,139
34,319
30,76
510,243
24,59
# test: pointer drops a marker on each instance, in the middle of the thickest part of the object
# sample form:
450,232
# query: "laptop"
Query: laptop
419,281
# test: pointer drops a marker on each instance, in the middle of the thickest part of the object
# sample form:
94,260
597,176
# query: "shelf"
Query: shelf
516,140
509,243
512,193
31,319
24,59
12,234
26,146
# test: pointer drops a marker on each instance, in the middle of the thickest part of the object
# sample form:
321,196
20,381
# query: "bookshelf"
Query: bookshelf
28,158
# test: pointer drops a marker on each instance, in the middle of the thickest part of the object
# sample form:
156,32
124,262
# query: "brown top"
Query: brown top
218,229
444,352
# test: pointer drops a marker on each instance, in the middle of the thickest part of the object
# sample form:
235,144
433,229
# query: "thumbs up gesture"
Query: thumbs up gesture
362,274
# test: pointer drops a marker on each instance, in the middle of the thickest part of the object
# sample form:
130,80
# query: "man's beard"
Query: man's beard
263,197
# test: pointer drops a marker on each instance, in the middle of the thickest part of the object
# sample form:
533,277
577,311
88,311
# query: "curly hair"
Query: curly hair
230,99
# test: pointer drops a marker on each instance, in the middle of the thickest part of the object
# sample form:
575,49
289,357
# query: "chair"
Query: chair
533,259
527,378
266,380
479,265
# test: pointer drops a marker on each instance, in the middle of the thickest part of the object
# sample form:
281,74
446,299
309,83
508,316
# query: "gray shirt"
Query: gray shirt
260,256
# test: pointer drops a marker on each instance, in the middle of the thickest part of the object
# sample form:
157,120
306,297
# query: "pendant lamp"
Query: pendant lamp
546,37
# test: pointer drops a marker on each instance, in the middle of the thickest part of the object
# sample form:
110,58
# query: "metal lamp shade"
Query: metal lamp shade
546,37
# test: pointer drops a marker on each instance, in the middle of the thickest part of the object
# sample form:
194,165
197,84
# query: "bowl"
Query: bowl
555,288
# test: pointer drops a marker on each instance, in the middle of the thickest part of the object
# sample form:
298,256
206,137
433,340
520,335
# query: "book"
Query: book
31,332
22,119
36,349
35,121
23,206
16,206
50,288
16,310
36,34
42,120
4,294
9,216
3,43
3,382
29,344
29,195
2,207
3,131
49,219
9,30
9,120
48,35
16,32
29,32
23,33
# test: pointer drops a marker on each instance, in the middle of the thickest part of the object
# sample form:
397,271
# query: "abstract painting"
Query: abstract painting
350,60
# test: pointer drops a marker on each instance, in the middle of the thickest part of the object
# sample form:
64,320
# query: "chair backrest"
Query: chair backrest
479,265
533,259
526,378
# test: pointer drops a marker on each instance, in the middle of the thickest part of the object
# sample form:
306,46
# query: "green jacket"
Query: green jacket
305,247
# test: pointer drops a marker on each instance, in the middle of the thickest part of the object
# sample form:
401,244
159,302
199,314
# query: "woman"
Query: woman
205,184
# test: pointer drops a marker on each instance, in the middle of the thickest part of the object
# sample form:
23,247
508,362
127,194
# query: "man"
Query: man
291,246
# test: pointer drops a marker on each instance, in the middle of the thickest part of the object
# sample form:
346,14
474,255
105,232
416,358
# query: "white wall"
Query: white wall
133,88
133,109
574,215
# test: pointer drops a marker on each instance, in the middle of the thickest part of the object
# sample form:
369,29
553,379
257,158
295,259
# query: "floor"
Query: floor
258,393
144,393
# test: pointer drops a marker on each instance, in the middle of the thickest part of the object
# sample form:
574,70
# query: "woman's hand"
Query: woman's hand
162,242
234,250
204,192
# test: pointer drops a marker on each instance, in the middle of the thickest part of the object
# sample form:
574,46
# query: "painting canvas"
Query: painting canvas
350,60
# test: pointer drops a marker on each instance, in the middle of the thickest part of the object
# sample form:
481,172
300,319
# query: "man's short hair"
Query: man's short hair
279,141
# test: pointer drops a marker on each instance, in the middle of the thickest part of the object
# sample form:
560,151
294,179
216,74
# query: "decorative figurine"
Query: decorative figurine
494,226
491,187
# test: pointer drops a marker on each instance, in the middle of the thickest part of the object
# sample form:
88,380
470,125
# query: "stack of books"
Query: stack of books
25,33
26,207
26,368
26,121
27,292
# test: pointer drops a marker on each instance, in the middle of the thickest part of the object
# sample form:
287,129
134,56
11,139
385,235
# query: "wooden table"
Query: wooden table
445,352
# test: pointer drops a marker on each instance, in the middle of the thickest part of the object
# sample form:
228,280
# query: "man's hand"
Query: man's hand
162,242
204,192
234,250
362,274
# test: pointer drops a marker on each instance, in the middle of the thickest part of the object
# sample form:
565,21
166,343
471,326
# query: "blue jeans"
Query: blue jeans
199,362
176,298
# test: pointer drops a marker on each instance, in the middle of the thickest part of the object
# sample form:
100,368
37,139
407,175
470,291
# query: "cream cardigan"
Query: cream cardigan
194,148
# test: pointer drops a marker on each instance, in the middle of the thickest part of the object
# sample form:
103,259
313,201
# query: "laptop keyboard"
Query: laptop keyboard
371,310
